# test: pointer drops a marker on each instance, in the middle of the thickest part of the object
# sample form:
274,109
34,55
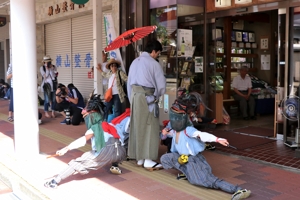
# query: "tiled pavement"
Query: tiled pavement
264,180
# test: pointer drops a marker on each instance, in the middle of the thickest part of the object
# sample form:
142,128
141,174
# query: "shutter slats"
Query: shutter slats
82,44
72,37
58,44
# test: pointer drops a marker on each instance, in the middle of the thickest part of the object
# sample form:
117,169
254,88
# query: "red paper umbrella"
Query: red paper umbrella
129,37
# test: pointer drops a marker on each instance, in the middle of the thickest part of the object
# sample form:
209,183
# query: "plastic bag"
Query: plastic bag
226,117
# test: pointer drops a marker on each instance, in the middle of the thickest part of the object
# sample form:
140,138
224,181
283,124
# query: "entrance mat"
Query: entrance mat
241,141
254,130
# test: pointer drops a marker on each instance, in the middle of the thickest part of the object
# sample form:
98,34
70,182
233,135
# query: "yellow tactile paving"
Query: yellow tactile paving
170,180
160,176
3,117
61,138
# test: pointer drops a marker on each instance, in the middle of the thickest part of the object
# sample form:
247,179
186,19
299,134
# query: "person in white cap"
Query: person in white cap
48,86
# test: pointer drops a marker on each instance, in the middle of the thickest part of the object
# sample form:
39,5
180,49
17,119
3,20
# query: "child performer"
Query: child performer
185,156
106,147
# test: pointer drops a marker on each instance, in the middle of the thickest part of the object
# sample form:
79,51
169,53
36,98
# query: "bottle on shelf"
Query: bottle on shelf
182,46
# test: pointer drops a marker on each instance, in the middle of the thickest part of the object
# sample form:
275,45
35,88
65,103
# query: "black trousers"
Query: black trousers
74,112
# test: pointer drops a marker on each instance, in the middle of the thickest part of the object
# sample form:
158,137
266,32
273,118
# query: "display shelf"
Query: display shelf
238,55
244,55
220,69
249,70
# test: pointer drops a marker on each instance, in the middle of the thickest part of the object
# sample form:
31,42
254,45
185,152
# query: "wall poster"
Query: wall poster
184,43
199,64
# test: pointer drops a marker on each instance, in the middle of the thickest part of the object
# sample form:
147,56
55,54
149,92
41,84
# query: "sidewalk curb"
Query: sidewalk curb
21,188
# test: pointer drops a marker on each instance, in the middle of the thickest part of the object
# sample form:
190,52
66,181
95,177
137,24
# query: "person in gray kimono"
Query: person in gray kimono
146,83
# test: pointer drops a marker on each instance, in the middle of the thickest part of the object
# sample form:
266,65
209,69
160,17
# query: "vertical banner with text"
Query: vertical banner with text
111,36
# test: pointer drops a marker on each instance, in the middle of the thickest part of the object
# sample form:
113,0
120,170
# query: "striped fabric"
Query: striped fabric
108,155
197,171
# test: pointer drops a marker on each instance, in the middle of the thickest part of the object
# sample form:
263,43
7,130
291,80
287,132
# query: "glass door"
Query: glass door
290,45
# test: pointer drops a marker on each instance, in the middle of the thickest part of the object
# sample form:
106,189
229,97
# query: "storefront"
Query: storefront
265,38
180,29
223,36
66,34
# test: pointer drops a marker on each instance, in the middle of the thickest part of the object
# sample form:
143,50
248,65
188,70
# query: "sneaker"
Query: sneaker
241,194
209,147
40,121
181,177
63,122
51,184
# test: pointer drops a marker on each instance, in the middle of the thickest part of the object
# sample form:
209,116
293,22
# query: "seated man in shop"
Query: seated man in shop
69,103
242,92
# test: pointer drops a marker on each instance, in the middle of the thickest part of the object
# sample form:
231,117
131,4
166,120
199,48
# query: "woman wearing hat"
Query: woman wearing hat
48,72
117,79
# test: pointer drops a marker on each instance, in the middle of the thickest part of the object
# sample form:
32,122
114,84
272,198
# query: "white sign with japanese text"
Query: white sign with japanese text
111,36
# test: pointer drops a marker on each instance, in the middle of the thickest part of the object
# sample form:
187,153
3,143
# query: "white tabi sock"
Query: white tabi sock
150,163
140,162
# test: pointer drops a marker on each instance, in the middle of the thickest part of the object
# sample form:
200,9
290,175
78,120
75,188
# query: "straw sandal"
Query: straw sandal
154,167
115,170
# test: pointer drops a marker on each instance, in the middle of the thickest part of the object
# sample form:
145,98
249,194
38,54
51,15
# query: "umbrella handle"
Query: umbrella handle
134,48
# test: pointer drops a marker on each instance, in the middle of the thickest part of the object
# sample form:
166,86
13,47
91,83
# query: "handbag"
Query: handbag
123,83
108,93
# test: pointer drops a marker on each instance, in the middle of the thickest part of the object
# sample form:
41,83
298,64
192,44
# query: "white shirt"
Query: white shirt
112,80
48,75
242,84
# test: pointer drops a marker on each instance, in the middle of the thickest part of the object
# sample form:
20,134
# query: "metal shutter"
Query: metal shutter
58,46
82,53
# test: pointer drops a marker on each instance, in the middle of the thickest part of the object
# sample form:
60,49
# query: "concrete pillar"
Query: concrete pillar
97,43
23,36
